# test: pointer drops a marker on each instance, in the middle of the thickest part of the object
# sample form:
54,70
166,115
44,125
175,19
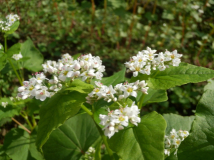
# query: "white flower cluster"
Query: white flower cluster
118,119
90,153
35,87
117,93
86,67
174,140
10,19
4,104
146,60
17,56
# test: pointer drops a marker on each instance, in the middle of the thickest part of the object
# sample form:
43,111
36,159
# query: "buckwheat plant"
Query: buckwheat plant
69,106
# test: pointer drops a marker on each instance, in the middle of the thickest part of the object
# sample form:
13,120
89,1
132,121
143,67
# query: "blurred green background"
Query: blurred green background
116,30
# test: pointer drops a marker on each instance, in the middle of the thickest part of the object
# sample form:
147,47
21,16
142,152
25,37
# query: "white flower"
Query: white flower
167,152
174,140
42,94
147,60
132,113
129,90
17,56
4,104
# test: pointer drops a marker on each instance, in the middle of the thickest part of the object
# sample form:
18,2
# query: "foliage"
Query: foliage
75,113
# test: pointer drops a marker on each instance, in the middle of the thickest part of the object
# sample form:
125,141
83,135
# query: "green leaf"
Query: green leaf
13,28
153,96
102,110
71,140
80,86
10,110
76,56
33,106
20,145
115,79
176,76
15,49
4,156
56,111
200,143
1,49
177,122
34,63
144,142
210,85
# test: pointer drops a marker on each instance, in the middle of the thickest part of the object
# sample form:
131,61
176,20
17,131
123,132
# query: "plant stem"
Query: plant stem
34,122
105,141
141,101
5,50
119,104
20,72
27,120
5,44
87,110
20,81
100,131
21,125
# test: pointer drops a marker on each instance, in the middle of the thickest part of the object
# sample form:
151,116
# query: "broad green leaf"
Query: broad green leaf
4,120
20,145
115,79
71,140
56,111
10,110
4,156
15,49
153,96
176,76
34,63
200,143
210,85
80,86
177,122
144,142
13,28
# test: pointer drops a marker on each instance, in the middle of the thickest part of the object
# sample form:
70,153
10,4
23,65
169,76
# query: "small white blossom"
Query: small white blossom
17,56
4,104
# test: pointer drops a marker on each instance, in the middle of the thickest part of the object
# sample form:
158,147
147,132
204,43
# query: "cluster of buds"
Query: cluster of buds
90,153
117,93
118,119
174,140
17,56
6,24
35,87
85,67
146,60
